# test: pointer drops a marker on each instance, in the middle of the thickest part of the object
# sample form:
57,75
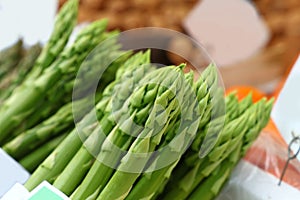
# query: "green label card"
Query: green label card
45,194
46,191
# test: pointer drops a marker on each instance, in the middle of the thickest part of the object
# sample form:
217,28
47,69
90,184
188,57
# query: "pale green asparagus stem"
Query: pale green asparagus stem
65,21
126,84
66,90
100,173
14,111
230,138
58,160
133,163
210,187
31,161
9,59
56,124
16,77
149,184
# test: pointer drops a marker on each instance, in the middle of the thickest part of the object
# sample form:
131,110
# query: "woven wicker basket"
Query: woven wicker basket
263,70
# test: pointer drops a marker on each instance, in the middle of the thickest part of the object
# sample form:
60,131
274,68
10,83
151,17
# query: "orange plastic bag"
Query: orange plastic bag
270,152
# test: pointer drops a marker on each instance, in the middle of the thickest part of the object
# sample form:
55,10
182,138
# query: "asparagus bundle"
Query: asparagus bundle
86,82
220,175
16,77
136,159
13,112
65,21
63,119
193,152
93,142
58,123
99,174
153,134
149,184
9,58
249,122
32,160
31,92
58,160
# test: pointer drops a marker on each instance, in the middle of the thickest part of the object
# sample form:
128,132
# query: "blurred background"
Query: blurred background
253,42
262,69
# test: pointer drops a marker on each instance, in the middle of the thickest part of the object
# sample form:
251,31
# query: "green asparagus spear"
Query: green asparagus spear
134,162
14,111
65,21
52,166
58,160
56,124
210,187
94,179
9,58
126,84
32,160
205,89
86,81
230,138
16,77
149,184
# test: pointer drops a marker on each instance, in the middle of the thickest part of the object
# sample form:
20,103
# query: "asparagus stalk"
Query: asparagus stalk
12,50
58,160
150,183
183,187
9,58
32,160
14,111
65,21
126,84
56,124
99,174
52,166
134,162
231,136
210,187
265,111
191,158
85,83
64,24
17,76
232,107
207,93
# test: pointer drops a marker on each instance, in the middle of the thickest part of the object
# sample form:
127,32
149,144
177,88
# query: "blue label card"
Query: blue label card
11,173
17,192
